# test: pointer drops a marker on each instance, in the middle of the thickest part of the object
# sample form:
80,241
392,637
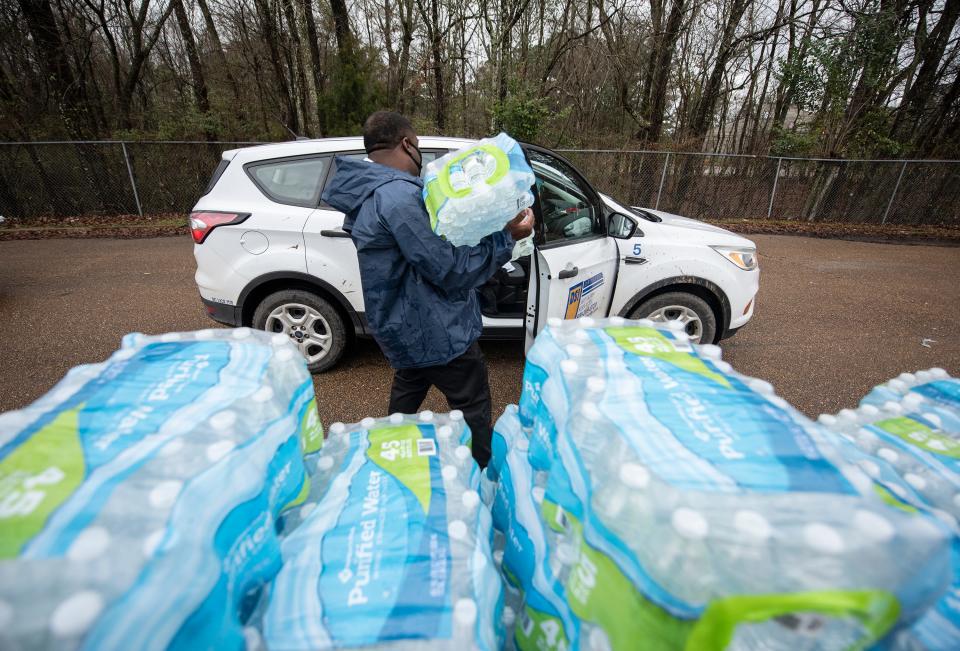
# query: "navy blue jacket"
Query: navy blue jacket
419,290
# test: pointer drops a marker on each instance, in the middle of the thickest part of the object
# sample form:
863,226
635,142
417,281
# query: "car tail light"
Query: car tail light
202,223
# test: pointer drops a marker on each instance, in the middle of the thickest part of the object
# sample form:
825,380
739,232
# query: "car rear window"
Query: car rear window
294,181
217,173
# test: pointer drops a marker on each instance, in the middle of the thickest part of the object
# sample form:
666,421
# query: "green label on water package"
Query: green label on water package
540,631
36,478
648,342
405,454
600,594
921,436
312,428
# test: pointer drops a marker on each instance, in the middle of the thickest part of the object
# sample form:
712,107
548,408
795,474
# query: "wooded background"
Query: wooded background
832,78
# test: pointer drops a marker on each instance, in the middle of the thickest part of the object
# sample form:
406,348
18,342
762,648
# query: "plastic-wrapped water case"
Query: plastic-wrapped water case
392,547
688,506
905,435
138,498
475,191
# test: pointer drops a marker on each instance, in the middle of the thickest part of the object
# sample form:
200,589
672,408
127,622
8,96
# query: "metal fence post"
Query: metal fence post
773,192
133,184
894,193
663,177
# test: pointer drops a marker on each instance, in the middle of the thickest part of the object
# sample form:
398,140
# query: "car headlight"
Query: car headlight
744,258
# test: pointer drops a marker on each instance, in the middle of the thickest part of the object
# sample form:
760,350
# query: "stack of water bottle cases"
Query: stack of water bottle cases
646,496
643,496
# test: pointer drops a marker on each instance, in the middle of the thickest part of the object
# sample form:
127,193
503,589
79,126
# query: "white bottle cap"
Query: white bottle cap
569,367
456,415
760,386
426,416
912,401
325,463
690,523
368,422
554,322
635,476
752,524
448,472
337,428
907,378
596,384
470,499
457,529
711,351
939,373
827,420
396,419
617,320
823,538
465,612
574,350
462,453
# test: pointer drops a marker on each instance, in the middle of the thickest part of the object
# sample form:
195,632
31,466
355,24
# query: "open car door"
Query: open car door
573,269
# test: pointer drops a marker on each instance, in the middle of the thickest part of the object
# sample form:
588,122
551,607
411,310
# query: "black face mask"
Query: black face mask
418,161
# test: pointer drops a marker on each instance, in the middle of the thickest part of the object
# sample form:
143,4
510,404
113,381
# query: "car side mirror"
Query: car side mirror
621,226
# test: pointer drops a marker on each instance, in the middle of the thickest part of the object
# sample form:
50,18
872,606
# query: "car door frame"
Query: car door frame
601,210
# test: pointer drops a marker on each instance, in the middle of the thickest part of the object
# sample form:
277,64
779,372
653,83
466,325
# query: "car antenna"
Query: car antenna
292,133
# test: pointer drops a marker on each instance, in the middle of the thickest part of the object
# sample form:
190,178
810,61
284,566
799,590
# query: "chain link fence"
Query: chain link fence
67,179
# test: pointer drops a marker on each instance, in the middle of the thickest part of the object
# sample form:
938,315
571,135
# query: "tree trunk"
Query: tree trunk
341,26
921,91
702,119
199,84
315,61
269,28
221,57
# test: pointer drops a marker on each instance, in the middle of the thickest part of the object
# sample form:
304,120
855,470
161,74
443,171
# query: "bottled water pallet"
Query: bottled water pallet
391,548
905,435
138,498
688,506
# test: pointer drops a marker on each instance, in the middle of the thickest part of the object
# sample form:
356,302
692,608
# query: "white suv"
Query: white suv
270,254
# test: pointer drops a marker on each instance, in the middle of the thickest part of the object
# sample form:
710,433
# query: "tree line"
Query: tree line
836,78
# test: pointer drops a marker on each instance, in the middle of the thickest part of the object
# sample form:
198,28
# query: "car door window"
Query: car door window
294,181
567,211
428,156
360,155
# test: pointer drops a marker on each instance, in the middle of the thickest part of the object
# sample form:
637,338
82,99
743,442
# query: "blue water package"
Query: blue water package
916,456
686,489
391,547
139,495
545,620
475,191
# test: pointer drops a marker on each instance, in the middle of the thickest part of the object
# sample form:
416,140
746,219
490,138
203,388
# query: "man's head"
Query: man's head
390,140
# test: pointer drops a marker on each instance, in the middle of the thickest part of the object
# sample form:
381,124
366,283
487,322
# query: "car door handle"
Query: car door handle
632,259
335,233
569,272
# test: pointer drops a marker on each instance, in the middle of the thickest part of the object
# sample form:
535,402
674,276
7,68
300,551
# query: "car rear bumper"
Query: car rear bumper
226,314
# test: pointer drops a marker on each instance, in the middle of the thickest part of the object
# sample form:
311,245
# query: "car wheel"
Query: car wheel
693,312
311,322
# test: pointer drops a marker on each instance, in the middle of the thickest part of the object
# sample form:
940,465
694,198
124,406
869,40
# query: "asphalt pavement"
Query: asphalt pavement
833,319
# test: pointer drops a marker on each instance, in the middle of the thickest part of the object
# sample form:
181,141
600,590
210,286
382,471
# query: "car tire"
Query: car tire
312,323
696,314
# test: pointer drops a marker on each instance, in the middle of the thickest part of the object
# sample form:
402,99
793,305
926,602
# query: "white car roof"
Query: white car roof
328,145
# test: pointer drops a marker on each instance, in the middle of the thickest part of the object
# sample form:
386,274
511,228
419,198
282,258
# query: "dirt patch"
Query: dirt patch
95,226
885,233
168,224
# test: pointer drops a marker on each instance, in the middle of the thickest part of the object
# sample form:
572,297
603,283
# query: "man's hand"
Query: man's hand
521,226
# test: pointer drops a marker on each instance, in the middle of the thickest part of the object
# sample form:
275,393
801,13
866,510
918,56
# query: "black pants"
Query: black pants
464,383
